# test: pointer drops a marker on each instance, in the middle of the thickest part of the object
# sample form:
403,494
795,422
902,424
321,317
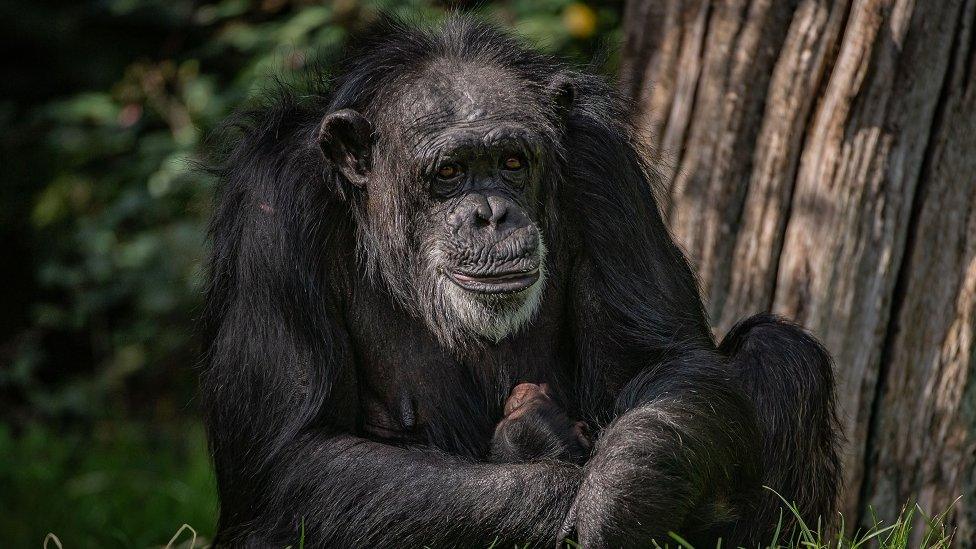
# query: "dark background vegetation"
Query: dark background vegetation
103,108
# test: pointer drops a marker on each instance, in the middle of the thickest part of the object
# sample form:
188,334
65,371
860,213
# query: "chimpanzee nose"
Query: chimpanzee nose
488,212
492,211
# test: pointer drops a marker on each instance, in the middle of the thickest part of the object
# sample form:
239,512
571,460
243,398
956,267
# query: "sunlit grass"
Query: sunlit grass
932,532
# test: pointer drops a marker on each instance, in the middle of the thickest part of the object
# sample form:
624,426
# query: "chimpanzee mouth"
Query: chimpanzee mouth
495,283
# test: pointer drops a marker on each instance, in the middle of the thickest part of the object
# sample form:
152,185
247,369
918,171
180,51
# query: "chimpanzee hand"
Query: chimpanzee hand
535,427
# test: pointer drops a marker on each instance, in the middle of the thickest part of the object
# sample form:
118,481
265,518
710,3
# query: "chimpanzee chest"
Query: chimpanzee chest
413,391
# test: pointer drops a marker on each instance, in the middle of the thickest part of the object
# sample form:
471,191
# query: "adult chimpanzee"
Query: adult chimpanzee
428,273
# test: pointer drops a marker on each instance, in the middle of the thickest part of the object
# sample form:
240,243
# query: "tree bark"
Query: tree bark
820,163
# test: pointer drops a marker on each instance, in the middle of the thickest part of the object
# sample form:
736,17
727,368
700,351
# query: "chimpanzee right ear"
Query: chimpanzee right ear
346,138
562,92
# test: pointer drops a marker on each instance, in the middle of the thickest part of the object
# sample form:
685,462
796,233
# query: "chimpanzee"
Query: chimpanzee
444,310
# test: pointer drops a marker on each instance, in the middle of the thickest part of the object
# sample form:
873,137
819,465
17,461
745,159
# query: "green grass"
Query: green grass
912,528
931,532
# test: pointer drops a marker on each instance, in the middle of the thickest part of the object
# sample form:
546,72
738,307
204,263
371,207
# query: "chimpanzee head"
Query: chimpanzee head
451,165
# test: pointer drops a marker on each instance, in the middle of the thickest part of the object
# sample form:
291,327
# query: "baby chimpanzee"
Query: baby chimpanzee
535,427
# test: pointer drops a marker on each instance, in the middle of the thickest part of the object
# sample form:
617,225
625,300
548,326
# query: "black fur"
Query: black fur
535,428
340,395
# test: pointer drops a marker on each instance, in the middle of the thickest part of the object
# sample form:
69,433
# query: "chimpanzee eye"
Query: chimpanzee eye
513,163
449,171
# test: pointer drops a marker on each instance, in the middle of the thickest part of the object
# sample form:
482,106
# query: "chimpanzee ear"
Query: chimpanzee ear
563,94
346,138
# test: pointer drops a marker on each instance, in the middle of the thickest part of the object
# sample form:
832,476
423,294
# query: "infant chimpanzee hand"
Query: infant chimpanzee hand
535,428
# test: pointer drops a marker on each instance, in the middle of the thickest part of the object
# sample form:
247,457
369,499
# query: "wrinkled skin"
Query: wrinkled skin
444,310
470,238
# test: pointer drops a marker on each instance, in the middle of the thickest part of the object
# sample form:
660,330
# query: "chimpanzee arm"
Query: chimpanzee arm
351,492
680,456
347,491
680,448
283,461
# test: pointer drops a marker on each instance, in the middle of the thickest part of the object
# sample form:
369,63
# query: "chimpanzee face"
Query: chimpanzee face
454,188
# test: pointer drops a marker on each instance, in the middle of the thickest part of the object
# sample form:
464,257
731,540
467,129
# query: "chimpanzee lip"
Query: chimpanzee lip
495,283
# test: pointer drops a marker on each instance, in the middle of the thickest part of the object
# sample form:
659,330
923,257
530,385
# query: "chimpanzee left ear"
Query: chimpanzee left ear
563,94
346,138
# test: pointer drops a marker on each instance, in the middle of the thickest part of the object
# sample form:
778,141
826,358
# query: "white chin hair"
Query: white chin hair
494,316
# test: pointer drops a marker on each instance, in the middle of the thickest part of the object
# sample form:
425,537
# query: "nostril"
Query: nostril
499,210
483,215
498,216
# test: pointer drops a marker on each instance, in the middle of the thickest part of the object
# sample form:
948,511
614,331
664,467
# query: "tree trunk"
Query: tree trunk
820,162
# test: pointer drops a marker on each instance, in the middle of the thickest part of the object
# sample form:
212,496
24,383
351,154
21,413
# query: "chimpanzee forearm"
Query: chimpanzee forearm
679,457
352,492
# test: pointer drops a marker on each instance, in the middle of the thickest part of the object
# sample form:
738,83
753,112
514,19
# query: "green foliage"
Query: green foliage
117,485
